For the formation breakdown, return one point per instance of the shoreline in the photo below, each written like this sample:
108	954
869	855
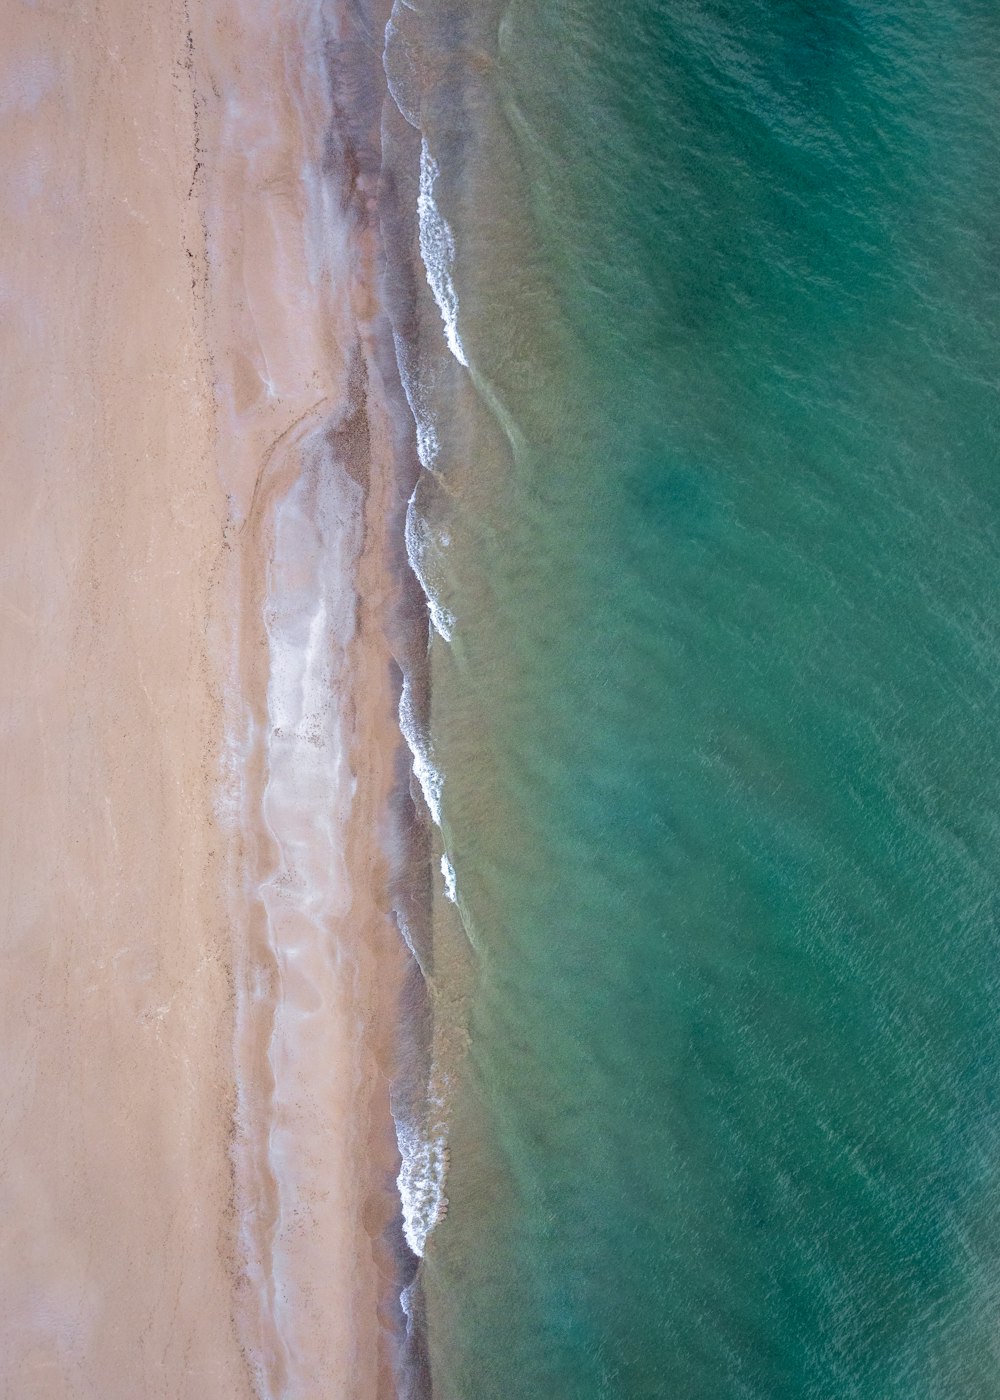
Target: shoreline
310	1149
209	605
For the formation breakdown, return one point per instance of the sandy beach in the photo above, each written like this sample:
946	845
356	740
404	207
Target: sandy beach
198	714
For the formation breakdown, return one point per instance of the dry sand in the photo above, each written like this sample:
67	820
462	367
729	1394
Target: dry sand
198	733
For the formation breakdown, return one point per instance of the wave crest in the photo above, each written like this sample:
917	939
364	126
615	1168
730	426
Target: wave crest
420	542
437	248
424	1152
431	780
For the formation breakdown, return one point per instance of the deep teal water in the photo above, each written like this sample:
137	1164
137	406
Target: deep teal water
720	725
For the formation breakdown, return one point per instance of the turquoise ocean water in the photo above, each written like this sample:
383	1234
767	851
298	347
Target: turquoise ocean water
718	522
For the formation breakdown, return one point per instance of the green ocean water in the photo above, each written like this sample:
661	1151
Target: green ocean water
719	720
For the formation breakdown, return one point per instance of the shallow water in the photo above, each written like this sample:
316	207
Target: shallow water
716	526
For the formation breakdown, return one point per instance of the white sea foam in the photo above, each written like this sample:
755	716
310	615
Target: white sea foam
421	1184
424	1152
419	544
450	887
419	540
428	445
430	779
422	1136
406	1299
437	248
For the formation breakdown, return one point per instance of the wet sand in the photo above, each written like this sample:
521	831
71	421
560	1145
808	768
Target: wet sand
198	715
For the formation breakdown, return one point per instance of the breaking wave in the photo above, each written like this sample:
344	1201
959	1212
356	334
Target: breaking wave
437	248
424	1152
427	438
419	543
450	886
422	1127
430	778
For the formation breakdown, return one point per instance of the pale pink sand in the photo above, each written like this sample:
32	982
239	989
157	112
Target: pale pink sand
196	721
